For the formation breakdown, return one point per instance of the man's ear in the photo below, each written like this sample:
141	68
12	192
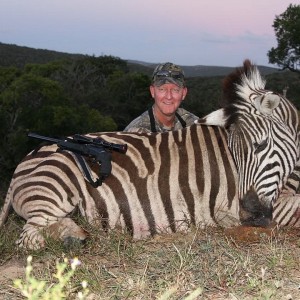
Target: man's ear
184	93
152	91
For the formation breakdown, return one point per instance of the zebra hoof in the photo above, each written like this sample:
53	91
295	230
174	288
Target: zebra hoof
67	231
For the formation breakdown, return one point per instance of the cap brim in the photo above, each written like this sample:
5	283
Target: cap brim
161	81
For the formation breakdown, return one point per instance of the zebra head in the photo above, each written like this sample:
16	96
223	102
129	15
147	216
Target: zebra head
262	132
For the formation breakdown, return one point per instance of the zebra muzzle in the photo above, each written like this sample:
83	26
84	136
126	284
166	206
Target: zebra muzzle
253	212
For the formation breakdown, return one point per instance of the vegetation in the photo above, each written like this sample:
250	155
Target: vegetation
34	289
238	264
287	28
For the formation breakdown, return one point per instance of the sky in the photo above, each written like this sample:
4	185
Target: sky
185	32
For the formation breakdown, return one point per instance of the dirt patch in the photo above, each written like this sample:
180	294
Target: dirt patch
11	270
243	234
249	235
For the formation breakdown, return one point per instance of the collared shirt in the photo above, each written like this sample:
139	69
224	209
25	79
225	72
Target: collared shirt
143	123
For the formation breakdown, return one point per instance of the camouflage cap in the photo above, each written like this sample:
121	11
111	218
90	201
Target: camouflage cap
168	73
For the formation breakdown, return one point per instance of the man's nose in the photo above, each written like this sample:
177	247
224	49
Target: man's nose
169	94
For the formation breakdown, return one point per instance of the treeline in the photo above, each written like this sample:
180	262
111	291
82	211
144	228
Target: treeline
87	94
65	97
19	56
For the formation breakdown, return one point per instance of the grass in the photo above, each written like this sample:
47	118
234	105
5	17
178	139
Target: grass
213	264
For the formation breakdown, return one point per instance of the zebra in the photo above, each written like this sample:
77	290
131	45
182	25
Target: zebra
226	170
259	167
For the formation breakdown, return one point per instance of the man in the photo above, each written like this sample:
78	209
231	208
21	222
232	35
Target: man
168	90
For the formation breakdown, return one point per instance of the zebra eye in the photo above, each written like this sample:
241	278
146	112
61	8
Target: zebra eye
260	146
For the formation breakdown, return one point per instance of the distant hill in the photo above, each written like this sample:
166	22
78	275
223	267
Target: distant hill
13	55
194	71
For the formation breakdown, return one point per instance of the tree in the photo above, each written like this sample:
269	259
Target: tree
30	100
128	97
287	31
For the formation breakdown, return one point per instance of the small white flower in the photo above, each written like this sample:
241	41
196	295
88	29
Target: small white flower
84	284
75	262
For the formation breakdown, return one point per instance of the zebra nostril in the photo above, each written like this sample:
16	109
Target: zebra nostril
253	212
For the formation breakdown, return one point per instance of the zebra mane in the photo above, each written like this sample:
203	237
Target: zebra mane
237	87
243	81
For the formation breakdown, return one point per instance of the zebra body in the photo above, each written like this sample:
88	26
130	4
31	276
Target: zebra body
153	188
168	181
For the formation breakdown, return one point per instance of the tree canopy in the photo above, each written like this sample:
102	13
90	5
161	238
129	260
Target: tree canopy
287	31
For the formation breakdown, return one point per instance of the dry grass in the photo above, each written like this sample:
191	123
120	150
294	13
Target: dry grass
245	263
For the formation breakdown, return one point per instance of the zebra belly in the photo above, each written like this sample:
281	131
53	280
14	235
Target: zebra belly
171	186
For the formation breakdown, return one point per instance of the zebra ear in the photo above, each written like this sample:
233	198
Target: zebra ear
216	118
265	104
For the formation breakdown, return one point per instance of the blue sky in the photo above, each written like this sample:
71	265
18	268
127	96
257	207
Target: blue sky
190	32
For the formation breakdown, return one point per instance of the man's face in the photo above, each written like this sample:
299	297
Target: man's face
168	97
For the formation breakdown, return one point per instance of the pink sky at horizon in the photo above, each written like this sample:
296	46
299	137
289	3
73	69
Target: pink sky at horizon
191	33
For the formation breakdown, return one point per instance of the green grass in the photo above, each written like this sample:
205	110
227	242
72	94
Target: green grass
213	263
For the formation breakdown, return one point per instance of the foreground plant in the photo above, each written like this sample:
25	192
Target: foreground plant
34	289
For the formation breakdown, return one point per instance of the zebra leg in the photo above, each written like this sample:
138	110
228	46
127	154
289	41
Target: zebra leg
286	210
65	229
31	237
